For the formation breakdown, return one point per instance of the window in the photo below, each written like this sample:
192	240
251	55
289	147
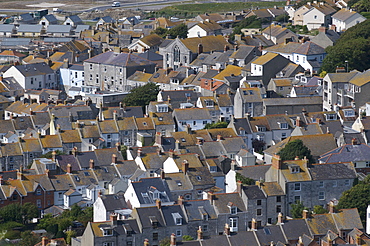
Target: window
346	182
233	210
297	198
259	202
335	184
194	123
283	125
91	66
204	122
31	81
278	199
155	236
109	243
107	232
178	233
297	186
38	203
269	220
321	195
321	184
178	221
205	227
259	211
38	191
176	54
278	208
233	224
108	136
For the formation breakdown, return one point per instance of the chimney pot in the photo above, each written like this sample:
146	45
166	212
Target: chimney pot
69	168
173	239
114	159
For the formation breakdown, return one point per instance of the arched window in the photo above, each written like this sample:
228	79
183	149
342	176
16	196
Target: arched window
176	54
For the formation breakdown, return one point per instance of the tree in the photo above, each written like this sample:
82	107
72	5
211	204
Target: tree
244	180
141	96
28	239
250	22
180	31
160	31
220	124
187	238
29	211
49	154
258	145
165	242
297	209
293	149
317	209
69	235
357	197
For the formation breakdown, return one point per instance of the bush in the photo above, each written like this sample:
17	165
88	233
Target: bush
12	234
187	238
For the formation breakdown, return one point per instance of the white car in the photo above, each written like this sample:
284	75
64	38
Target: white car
116	4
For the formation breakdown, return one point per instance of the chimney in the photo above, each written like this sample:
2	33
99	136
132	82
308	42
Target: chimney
330	242
354	141
171	153
91	164
358	240
331	207
118	147
19	174
300	241
139	152
219	137
180	200
44	241
185	166
113	218
158	138
47	172
322	29
163	174
227	230
159	151
239	187
53	155
226	48
114	159
211	197
305	214
100	193
74	151
115	115
173	240
254	225
200	49
199	141
277	162
69	168
1	179
158	203
177	145
188	129
298	122
280	219
146	242
200	234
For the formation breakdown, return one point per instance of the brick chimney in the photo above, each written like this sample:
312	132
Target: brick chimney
53	155
69	168
1	179
300	241
173	240
199	234
298	122
91	164
185	166
74	151
163	174
114	159
139	152
331	207
277	162
180	200
239	187
188	129
227	229
47	172
158	138
159	151
211	197
146	242
354	141
44	241
19	175
219	137
254	225
171	153
305	214
113	218
158	203
280	219
118	147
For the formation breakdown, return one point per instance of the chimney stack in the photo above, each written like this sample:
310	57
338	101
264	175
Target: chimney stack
146	242
227	229
180	200
200	49
254	225
354	141
53	155
298	122
331	207
69	168
44	241
114	159
113	218
47	172
1	179
74	151
139	152
173	240
280	219
118	147
158	138
239	187
91	164
185	166
219	137
211	197
277	162
158	203
188	129
305	214
19	174
163	174
200	234
159	151
171	153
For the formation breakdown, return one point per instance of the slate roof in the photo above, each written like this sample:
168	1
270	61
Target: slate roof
209	43
222	201
147	184
309	48
34	69
256	172
295	228
347	153
29	28
59	29
344	14
271	233
191	114
119	59
196	208
333	171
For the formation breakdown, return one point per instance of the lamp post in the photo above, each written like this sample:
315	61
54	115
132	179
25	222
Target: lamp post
346	66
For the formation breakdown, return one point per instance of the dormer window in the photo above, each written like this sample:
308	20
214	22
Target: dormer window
233	210
209	103
162	108
107	232
283	125
294	169
153	221
331	116
349	113
177	218
261	128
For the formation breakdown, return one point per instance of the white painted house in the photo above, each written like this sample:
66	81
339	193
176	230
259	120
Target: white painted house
344	19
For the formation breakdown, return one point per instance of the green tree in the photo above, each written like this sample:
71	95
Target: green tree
244	180
357	197
187	238
258	145
28	239
29	211
11	212
49	154
250	22
220	124
180	31
317	209
297	209
69	235
160	31
293	149
141	96
165	242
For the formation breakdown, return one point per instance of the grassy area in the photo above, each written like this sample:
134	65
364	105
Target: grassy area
366	14
191	10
